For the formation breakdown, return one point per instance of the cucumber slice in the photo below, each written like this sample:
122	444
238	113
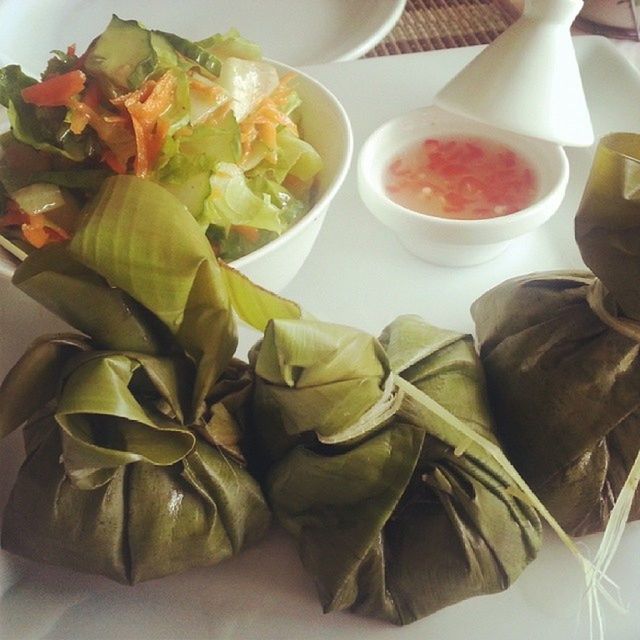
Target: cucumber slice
126	54
194	52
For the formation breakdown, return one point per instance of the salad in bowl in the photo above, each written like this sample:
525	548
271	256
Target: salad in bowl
210	121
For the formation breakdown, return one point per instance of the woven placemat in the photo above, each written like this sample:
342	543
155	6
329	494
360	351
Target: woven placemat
442	24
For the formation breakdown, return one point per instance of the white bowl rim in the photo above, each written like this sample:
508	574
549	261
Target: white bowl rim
318	207
558	185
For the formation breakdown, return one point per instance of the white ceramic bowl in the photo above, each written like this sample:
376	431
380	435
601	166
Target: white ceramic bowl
448	241
326	126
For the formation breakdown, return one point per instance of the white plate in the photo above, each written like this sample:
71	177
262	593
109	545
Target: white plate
296	32
358	274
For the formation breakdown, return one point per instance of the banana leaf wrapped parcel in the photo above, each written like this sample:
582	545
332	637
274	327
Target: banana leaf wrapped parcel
392	520
133	430
114	482
561	354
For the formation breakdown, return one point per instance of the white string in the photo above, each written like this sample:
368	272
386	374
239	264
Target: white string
596	581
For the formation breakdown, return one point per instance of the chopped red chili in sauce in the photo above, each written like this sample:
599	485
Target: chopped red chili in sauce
461	177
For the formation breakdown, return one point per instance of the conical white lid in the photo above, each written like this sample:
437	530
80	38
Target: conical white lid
527	80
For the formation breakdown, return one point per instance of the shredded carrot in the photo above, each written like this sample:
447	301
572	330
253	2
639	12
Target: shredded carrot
209	91
282	92
252	234
112	161
113	129
267	133
91	96
262	123
156	139
219	114
296	186
146	106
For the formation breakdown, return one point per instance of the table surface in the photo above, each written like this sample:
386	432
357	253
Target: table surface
426	25
264	594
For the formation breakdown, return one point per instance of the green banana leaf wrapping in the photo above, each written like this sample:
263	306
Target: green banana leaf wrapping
391	521
560	351
113	482
135	463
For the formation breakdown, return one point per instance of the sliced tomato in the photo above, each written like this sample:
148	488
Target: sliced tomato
38	234
55	91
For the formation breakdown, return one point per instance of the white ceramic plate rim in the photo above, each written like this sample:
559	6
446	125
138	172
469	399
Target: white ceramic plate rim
301	41
385	25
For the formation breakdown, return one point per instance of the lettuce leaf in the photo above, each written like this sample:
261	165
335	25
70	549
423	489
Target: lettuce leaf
232	202
291	208
42	128
296	157
231	44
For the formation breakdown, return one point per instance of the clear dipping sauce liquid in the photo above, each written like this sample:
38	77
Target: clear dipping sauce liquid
461	177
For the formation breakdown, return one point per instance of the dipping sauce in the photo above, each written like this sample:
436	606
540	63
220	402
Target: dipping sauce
461	177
